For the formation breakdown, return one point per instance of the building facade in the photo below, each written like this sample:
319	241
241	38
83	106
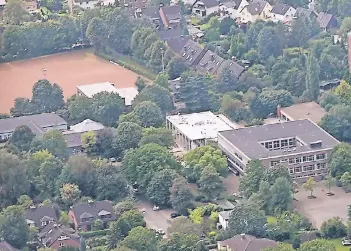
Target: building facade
301	146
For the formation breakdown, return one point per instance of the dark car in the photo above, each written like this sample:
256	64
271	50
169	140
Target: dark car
174	215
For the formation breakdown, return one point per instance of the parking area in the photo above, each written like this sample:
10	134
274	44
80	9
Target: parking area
323	207
160	219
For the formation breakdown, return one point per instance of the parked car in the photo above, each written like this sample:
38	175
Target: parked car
175	215
160	231
346	242
156	208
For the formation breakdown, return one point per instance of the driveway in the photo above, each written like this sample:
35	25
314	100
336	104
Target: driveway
323	207
156	219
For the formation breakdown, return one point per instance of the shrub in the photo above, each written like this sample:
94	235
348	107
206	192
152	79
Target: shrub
90	234
333	228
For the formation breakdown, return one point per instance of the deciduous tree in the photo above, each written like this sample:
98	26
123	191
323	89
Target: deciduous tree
128	136
53	142
210	183
149	114
15	13
69	193
312	77
250	183
181	196
22	137
317	245
309	185
161	136
140	239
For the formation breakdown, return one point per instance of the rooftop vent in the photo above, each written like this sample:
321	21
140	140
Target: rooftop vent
315	144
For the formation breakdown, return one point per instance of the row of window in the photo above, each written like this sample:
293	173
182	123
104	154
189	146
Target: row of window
301	159
310	174
299	169
279	144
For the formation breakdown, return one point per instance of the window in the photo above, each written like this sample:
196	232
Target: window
284	143
298	160
275	162
308	168
270	145
308	158
276	144
292	142
321	166
292	161
320	156
291	170
43	223
297	169
61	244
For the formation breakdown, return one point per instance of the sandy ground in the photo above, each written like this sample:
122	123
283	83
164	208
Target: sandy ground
66	69
323	207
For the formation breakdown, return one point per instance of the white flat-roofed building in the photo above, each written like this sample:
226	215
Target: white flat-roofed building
128	94
196	129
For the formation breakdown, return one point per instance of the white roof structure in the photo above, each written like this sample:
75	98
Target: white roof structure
128	94
196	126
2	2
86	126
90	90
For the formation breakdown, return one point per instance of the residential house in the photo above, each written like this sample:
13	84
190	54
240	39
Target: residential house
4	246
209	63
236	69
170	33
41	216
39	124
74	135
301	146
2	4
256	10
171	16
31	5
57	236
203	8
152	13
195	32
305	12
83	215
133	4
192	53
246	242
176	44
282	13
91	4
327	22
223	218
232	8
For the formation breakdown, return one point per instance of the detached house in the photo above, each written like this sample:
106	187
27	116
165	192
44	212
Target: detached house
305	12
84	215
256	10
57	236
327	22
41	216
204	8
282	12
210	63
192	53
245	242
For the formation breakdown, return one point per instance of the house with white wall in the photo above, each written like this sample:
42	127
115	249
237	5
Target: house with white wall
232	8
256	10
91	4
203	8
282	13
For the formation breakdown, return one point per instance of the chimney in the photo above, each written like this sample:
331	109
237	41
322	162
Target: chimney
349	49
243	236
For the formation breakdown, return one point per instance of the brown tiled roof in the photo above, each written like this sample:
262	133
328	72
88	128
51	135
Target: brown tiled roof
247	243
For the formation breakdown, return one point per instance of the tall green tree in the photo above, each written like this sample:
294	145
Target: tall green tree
158	190
107	107
53	142
210	183
13	179
15	13
179	242
161	136
176	66
80	108
149	114
128	136
181	196
47	97
340	160
141	164
312	78
250	183
317	245
104	142
13	227
281	193
22	137
269	43
49	170
247	218
140	239
96	31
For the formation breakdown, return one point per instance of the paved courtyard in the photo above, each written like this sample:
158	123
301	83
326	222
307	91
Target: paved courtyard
323	207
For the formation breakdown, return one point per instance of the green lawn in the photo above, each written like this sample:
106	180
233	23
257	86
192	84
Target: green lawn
338	245
272	219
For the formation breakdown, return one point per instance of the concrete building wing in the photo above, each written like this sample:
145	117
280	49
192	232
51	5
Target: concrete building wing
309	110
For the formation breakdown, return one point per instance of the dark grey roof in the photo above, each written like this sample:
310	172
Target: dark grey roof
192	52
53	231
210	3
256	7
73	139
248	243
177	43
210	62
93	208
280	8
4	246
304	12
41	213
151	12
35	122
169	33
237	3
235	68
324	19
172	12
247	140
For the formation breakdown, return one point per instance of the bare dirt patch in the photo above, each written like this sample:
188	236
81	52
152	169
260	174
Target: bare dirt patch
66	69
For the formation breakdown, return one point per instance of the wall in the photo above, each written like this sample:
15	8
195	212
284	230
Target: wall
86	5
223	222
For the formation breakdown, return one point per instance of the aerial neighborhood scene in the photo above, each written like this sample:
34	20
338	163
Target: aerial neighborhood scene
175	125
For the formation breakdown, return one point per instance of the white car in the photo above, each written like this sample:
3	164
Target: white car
346	242
160	231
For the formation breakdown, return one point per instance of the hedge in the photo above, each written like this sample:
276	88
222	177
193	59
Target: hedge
94	233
